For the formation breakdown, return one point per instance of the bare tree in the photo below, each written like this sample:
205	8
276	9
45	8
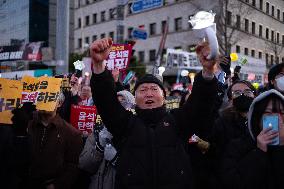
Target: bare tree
275	48
228	28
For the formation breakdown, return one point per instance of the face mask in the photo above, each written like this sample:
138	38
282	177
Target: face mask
280	83
242	103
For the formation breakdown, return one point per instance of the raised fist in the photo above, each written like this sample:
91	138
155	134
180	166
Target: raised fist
100	49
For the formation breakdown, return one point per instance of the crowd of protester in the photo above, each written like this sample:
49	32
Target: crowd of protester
215	139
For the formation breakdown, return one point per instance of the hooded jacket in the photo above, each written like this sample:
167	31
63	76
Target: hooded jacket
246	166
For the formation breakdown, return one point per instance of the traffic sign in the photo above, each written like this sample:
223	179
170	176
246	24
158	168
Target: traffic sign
139	34
142	5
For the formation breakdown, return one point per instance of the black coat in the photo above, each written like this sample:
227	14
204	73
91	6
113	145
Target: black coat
151	144
245	166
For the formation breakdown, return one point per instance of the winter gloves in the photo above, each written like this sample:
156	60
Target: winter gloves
103	144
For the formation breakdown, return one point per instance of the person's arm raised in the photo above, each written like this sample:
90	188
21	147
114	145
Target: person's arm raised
114	116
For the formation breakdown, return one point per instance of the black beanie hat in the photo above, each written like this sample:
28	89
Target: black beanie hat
149	78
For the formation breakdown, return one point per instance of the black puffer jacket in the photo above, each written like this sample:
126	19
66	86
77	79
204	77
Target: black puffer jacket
151	143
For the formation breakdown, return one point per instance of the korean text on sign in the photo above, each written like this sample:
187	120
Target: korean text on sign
119	57
83	118
43	91
10	98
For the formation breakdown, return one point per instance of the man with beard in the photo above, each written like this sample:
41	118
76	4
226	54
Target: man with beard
151	143
55	151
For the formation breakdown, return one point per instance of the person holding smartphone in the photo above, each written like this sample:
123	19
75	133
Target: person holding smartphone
256	160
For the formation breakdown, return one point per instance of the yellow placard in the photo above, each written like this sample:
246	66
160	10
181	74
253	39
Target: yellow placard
43	91
10	97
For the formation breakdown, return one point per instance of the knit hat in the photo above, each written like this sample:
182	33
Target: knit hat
129	98
149	78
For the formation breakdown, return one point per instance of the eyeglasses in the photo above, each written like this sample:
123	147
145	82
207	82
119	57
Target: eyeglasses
246	92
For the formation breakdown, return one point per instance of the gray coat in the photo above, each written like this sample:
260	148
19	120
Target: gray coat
92	161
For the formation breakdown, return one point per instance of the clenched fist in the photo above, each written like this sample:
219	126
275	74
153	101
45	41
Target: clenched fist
99	51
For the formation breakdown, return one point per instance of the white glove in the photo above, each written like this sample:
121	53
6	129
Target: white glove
110	153
104	135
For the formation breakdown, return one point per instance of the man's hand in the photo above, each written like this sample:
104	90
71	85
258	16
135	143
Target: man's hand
99	51
202	51
265	137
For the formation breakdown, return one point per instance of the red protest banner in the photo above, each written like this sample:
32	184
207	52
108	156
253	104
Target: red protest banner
119	57
83	117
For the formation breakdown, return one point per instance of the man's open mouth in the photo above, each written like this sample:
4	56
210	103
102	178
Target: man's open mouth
149	102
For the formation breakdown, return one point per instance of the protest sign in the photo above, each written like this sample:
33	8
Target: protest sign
83	118
42	91
119	57
10	98
172	102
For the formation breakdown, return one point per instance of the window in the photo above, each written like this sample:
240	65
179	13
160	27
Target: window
267	8
163	26
238	23
79	43
94	18
87	20
103	16
111	13
277	59
282	40
79	23
129	32
178	24
253	2
282	59
272	36
271	59
278	14
261	4
152	55
111	35
246	51
94	38
152	28
246	25
267	33
283	16
129	8
266	58
238	49
253	53
260	55
229	17
87	2
278	38
272	10
87	40
103	35
253	27
141	56
260	30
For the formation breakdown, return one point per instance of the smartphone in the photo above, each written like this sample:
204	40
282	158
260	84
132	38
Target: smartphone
273	122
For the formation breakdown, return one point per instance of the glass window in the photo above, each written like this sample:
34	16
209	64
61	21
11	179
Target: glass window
178	24
94	18
152	55
153	29
103	16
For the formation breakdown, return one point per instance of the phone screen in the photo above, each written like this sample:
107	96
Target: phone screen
273	122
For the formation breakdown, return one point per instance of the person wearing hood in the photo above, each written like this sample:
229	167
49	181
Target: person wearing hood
256	159
151	143
99	156
232	122
276	78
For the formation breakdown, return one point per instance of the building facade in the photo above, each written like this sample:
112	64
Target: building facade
257	33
